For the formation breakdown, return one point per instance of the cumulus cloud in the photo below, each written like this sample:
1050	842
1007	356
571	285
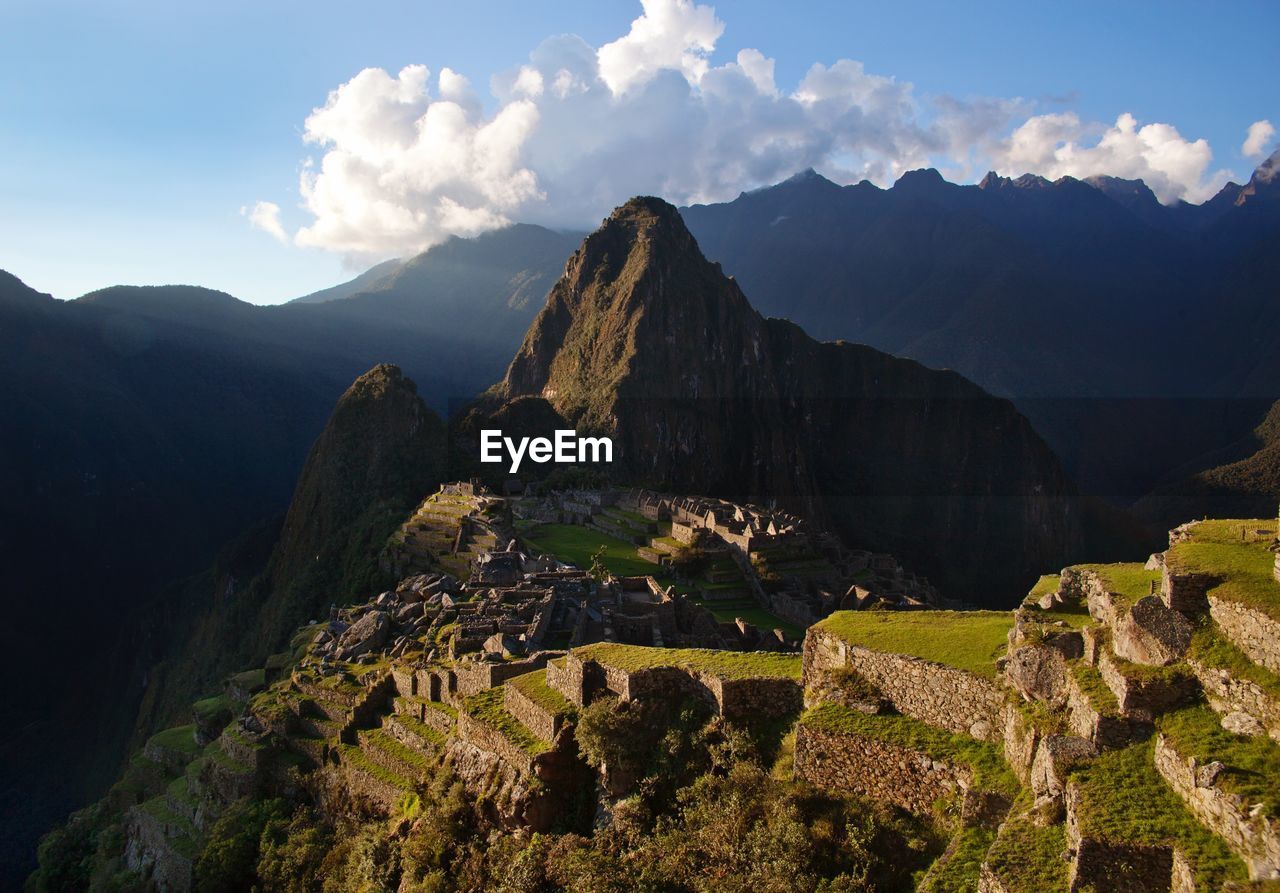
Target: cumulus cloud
406	160
671	34
1060	145
1258	139
266	217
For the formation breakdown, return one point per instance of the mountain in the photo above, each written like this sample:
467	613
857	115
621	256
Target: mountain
380	452
645	340
1096	309
1244	487
365	281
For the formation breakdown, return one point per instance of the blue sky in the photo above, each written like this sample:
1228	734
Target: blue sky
132	134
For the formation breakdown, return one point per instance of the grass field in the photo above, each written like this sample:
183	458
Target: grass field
1125	801
726	664
575	544
1244	562
966	640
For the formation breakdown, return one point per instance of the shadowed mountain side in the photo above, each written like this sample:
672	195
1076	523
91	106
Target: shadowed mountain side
380	452
647	341
1081	301
1247	487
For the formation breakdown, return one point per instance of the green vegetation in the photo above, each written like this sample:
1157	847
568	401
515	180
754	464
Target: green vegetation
1211	648
360	760
985	761
1028	857
1130	581
1075	616
534	687
1101	698
486	707
577	545
966	640
1244	563
725	664
229	859
1252	764
1123	800
421	729
389	744
181	740
957	870
750	611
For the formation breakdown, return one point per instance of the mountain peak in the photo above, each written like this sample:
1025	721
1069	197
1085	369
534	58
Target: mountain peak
926	178
638	286
1265	182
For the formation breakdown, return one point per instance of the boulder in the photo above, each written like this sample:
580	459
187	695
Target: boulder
1243	724
1055	757
1151	633
368	633
1039	673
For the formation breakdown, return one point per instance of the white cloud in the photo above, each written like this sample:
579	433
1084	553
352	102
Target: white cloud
1060	145
671	34
266	217
403	170
1258	139
577	129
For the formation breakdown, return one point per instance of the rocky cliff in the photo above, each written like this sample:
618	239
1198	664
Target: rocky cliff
647	341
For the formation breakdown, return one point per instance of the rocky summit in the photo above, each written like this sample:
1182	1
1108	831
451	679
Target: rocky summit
646	340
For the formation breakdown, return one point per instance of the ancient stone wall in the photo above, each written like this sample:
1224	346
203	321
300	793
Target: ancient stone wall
1255	839
1185	593
1250	630
538	719
884	772
479	735
939	695
745	699
1228	694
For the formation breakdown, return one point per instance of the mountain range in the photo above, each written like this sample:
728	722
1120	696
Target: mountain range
151	430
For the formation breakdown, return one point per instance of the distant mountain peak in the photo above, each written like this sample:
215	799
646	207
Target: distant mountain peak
1265	182
926	178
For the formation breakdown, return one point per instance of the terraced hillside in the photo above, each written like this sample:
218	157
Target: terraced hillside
1119	731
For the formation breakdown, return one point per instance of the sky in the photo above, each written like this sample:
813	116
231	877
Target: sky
272	149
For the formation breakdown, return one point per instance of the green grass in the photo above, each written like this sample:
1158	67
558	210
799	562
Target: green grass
1252	764
534	687
1245	567
184	843
1131	581
725	664
1210	647
1075	616
421	729
727	612
1101	698
1125	801
966	640
985	761
389	744
1028	857
576	545
180	739
208	708
957	870
1046	584
441	707
356	757
486	707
